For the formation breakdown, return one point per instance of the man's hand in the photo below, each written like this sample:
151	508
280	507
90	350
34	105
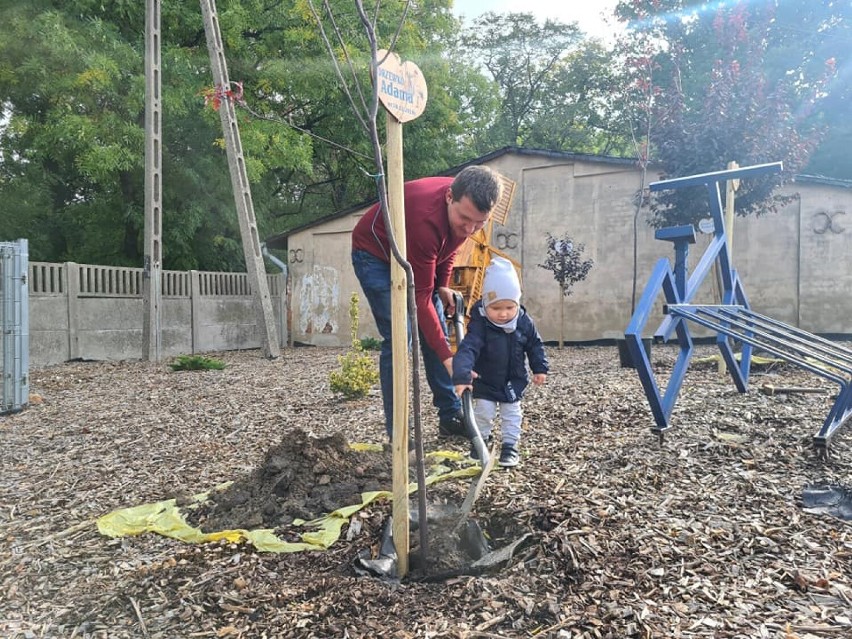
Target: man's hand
448	298
539	378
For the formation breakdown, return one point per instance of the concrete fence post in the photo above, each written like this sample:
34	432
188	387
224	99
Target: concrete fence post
283	328
195	309
72	294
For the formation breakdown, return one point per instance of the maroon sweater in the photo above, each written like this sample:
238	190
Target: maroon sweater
430	248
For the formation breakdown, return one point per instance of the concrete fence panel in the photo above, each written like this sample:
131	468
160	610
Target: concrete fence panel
85	311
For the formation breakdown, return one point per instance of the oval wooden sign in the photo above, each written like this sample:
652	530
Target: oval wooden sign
402	87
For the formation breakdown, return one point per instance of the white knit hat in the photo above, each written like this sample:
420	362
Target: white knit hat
501	282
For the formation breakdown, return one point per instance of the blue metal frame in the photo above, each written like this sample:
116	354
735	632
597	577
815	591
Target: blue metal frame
733	321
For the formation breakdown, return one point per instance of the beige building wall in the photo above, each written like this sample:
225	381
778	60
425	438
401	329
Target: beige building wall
592	202
796	264
824	283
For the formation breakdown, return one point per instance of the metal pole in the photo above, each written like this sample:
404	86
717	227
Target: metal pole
152	266
239	181
286	336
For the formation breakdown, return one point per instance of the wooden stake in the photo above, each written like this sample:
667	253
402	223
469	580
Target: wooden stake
402	91
399	340
730	187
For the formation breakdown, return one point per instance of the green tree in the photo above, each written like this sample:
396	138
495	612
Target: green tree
521	56
340	174
575	111
72	137
71	153
806	38
71	77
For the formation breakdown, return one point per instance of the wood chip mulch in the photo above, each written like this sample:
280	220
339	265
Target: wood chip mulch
702	534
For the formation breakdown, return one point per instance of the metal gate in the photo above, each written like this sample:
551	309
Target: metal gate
14	324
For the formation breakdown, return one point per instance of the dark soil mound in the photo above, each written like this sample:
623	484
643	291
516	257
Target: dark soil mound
301	477
304	477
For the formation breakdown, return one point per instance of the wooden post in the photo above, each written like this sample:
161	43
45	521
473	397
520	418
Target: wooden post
399	339
402	90
730	187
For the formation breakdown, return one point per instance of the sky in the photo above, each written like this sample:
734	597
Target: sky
585	12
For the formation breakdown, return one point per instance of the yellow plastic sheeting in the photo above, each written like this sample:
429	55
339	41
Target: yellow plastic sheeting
165	518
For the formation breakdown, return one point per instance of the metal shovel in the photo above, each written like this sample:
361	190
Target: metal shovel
486	457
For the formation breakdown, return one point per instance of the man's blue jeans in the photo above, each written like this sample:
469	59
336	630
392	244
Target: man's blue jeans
374	276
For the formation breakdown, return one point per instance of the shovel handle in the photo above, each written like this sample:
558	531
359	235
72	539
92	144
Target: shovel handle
472	430
457	314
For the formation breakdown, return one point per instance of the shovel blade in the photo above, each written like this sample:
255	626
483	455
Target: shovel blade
478	483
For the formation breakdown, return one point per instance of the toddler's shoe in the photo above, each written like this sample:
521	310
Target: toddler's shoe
509	457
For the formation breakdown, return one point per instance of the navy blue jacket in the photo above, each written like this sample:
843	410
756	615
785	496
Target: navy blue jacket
498	357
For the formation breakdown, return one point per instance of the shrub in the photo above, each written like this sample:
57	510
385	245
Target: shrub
356	376
358	372
371	344
196	363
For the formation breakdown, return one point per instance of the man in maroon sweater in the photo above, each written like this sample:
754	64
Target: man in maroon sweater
440	214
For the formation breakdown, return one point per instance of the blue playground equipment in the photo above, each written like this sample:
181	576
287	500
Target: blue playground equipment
733	321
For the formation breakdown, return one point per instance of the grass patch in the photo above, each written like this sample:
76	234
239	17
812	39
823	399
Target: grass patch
196	363
371	344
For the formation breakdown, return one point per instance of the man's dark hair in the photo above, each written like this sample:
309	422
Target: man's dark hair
480	184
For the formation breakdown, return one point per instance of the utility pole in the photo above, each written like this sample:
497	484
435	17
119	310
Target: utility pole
152	292
239	181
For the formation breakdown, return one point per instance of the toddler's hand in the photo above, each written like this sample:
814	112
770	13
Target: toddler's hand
539	378
461	388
